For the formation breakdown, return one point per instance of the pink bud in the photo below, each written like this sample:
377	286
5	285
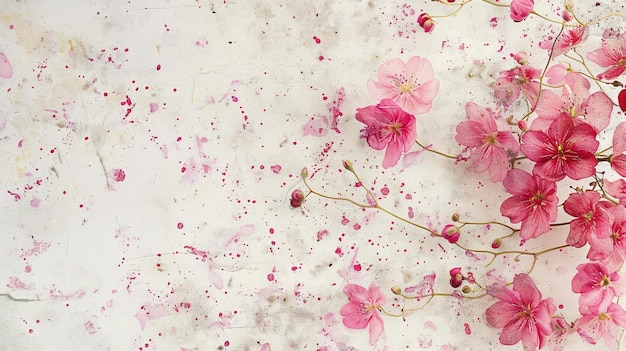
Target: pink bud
521	57
451	233
428	26
520	9
456	277
422	18
297	198
496	243
521	124
567	16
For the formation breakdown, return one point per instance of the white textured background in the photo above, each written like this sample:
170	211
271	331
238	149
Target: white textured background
204	106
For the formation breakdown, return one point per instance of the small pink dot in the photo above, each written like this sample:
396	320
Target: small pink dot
27	269
271	230
158	67
270	277
180	225
226	343
30	331
321	58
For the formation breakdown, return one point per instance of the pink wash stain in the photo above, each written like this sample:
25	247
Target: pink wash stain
276	169
90	328
154	107
34	202
148	313
16	284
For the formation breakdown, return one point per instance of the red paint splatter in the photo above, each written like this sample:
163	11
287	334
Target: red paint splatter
357	267
468	331
270	277
276	169
384	191
119	175
158	67
317	40
180	225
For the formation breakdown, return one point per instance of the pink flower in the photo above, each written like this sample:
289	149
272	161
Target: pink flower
490	140
597	286
560	330
589	219
451	233
612	54
387	125
524	79
533	202
412	85
521	312
617	189
575	102
604	324
569	39
565	150
456	277
609	246
520	9
362	310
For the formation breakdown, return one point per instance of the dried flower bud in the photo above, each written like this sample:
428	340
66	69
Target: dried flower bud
304	173
466	289
566	16
455	217
396	290
569	5
495	244
347	164
456	277
297	198
451	233
617	83
425	22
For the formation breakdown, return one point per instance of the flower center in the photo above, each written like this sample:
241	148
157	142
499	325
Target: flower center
605	282
405	85
621	62
537	199
395	128
490	139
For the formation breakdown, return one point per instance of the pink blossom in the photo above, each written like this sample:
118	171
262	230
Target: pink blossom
609	246
412	85
597	286
569	39
456	277
490	139
520	9
560	330
533	202
521	312
362	310
589	218
612	54
565	150
524	79
575	102
451	233
387	125
603	324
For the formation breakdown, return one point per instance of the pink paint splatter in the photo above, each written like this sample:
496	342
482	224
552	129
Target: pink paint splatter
276	169
17	284
317	40
90	327
78	294
322	234
154	107
468	331
34	202
119	175
148	312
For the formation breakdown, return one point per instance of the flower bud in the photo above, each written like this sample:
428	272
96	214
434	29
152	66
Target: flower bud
521	58
566	16
569	5
304	173
451	233
347	164
396	290
425	22
495	244
521	124
466	289
297	198
455	217
456	277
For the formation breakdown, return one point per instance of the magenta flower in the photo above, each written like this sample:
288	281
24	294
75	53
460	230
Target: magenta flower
520	9
589	218
533	202
617	189
521	313
575	102
412	85
490	140
612	54
565	150
569	39
609	246
604	324
387	125
524	79
362	310
597	286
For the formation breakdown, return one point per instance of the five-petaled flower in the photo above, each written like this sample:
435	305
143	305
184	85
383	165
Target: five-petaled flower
612	54
388	126
597	286
604	324
362	309
490	139
412	85
590	219
521	313
565	150
533	202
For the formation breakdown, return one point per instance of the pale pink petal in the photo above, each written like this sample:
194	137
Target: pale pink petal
556	74
470	133
6	71
392	155
612	73
376	328
353	316
421	67
517	181
619	138
597	110
600	57
619	164
500	313
376	295
526	288
356	293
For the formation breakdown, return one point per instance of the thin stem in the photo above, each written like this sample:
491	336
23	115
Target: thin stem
435	151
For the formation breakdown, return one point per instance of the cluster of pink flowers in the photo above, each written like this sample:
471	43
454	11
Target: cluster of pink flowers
557	140
404	90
